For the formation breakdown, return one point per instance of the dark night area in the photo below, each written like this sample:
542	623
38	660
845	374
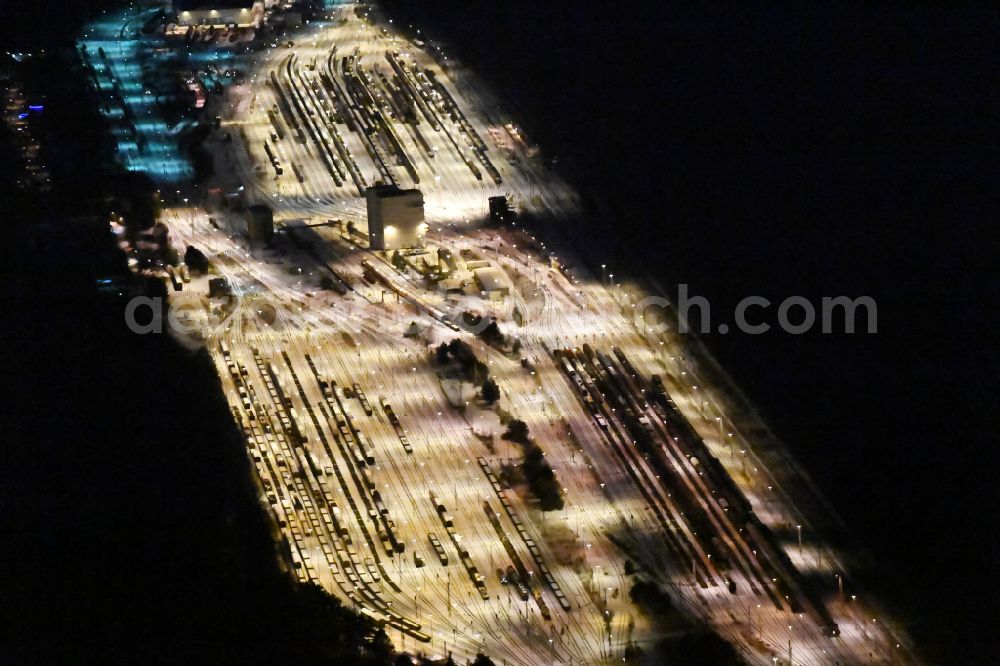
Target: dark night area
792	150
814	151
132	531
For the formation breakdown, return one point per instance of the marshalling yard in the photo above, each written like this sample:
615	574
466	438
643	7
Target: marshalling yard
386	473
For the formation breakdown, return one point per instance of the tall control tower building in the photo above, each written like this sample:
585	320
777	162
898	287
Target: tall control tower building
395	218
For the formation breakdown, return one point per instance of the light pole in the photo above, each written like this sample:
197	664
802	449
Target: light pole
192	220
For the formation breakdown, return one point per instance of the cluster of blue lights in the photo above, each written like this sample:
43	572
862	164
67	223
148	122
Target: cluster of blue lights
128	103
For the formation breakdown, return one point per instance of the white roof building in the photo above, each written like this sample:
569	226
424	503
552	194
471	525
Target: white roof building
219	13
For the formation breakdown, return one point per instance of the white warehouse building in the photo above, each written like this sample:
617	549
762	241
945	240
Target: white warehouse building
395	218
219	13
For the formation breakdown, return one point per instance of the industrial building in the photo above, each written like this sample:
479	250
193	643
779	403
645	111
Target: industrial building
491	280
218	287
448	261
395	218
219	13
260	222
500	212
